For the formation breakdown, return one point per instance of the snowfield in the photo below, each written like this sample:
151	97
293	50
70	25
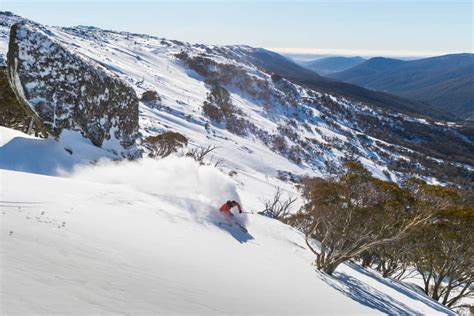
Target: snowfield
142	238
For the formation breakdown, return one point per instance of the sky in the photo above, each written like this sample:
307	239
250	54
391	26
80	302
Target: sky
350	27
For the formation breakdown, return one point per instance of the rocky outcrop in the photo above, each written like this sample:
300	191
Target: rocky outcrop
66	90
13	114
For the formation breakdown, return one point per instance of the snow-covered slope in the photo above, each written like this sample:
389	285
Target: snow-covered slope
280	126
142	238
26	153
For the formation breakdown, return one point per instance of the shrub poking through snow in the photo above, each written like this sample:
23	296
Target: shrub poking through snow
219	108
201	153
150	97
213	112
276	77
182	55
279	144
294	154
165	144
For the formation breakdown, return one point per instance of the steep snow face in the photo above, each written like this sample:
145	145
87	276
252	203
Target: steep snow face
143	238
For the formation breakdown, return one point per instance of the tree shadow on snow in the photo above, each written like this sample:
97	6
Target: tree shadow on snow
375	299
402	289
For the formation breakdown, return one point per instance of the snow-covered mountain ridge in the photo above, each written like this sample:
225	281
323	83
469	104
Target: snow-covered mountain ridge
311	131
314	130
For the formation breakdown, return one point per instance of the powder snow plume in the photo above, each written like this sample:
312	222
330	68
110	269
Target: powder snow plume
175	180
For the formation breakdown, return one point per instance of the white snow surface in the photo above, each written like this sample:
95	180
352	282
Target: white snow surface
143	238
26	153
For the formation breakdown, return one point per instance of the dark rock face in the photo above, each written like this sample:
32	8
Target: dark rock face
12	112
68	91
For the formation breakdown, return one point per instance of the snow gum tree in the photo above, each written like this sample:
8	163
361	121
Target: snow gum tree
394	258
441	251
357	213
390	259
164	144
443	254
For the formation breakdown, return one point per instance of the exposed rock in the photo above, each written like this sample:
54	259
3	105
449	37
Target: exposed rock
12	112
69	91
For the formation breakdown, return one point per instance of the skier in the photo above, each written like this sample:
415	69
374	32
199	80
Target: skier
227	206
225	211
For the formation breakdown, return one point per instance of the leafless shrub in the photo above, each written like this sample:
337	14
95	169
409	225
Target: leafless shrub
279	143
279	204
200	153
294	154
213	112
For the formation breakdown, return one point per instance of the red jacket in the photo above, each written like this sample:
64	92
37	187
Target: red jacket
225	208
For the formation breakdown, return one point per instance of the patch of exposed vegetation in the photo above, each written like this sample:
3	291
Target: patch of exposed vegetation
163	145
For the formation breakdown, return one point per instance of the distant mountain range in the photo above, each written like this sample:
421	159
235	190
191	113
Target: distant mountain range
443	83
284	66
325	66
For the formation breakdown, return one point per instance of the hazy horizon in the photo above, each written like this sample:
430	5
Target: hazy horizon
407	29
